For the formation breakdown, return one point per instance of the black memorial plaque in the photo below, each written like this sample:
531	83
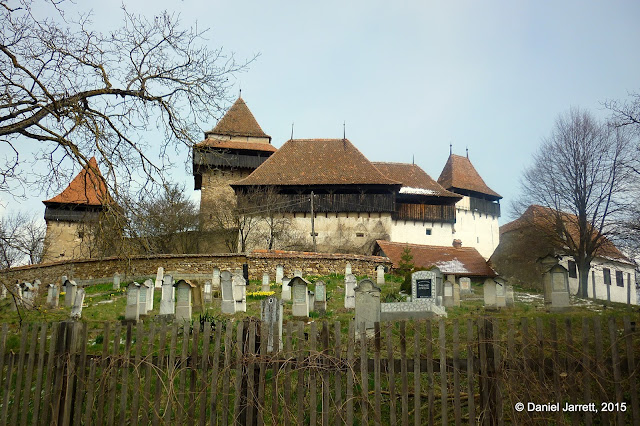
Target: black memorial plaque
423	288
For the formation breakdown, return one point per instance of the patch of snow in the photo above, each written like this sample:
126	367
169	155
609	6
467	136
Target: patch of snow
419	191
452	267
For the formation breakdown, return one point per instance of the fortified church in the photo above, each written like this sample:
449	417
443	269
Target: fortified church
355	201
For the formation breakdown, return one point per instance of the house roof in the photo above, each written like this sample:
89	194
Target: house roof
235	144
414	180
238	121
459	173
87	188
545	218
462	261
317	162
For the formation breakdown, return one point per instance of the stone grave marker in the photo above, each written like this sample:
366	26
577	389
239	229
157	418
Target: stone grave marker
76	309
311	300
265	282
367	298
558	276
300	297
456	294
132	311
3	292
142	299
448	294
197	298
159	277
116	281
286	288
349	294
439	286
489	288
36	285
297	273
27	294
271	315
347	269
380	275
70	293
207	292
465	285
215	279
501	291
423	285
52	296
321	297
239	292
279	274
150	289
167	303
228	304
184	291
509	296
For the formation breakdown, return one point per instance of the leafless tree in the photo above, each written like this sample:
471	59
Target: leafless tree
21	240
70	92
579	174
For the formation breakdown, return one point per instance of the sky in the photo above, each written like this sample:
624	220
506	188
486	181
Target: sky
408	78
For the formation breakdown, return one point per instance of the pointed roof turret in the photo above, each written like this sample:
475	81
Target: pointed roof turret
87	188
238	121
460	174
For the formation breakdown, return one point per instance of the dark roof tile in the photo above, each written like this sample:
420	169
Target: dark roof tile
460	173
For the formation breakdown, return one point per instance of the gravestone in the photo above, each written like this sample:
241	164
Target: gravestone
465	285
36	285
380	275
184	289
297	273
142	299
300	297
52	296
159	277
367	298
207	292
228	304
132	311
116	281
347	269
3	292
167	304
70	293
448	294
489	289
321	297
215	279
286	288
349	294
501	292
279	274
150	289
439	286
423	285
197	298
509	296
265	282
271	315
76	309
312	300
547	263
456	294
239	291
558	278
27	295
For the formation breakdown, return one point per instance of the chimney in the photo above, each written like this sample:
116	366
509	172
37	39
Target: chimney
457	243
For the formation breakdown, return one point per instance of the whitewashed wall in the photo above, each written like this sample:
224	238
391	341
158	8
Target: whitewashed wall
413	232
475	229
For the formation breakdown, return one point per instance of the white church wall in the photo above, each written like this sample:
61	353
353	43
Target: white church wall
474	229
427	233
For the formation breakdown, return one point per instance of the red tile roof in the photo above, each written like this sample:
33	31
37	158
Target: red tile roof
544	218
413	177
461	261
87	188
317	162
235	144
460	173
238	121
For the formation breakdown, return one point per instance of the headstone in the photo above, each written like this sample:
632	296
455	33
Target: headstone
367	298
215	278
159	277
456	294
300	297
489	289
239	291
142	299
265	282
558	279
448	294
465	285
70	293
271	315
286	288
167	303
183	300
228	305
53	296
321	297
501	291
27	295
439	286
36	285
207	292
509	297
347	269
423	285
380	275
116	281
150	289
297	273
279	274
3	292
76	309
132	311
547	263
312	300
349	294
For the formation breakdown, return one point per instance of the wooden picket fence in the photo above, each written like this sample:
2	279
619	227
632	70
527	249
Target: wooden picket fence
474	371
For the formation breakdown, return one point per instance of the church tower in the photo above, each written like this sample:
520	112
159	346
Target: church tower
72	215
231	151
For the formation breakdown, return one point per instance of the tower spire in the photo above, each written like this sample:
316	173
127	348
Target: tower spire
450	148
467	152
292	131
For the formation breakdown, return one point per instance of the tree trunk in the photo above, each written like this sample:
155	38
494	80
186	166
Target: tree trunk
583	279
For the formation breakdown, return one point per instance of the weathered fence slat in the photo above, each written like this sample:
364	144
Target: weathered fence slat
600	366
216	367
313	397
152	367
3	342
443	371
350	372
15	406
204	368
250	353
7	389
456	373
615	364
81	376
182	384
586	371
193	370
261	403
103	377
431	381
631	364
497	368
300	376
238	371
403	373
114	374
376	376
124	384
88	409
137	368
484	385
471	378
46	409
288	357
226	375
39	372
339	412
326	398
364	375
28	380
275	419
391	375
417	403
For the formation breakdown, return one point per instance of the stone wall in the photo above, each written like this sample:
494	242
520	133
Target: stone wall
259	262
